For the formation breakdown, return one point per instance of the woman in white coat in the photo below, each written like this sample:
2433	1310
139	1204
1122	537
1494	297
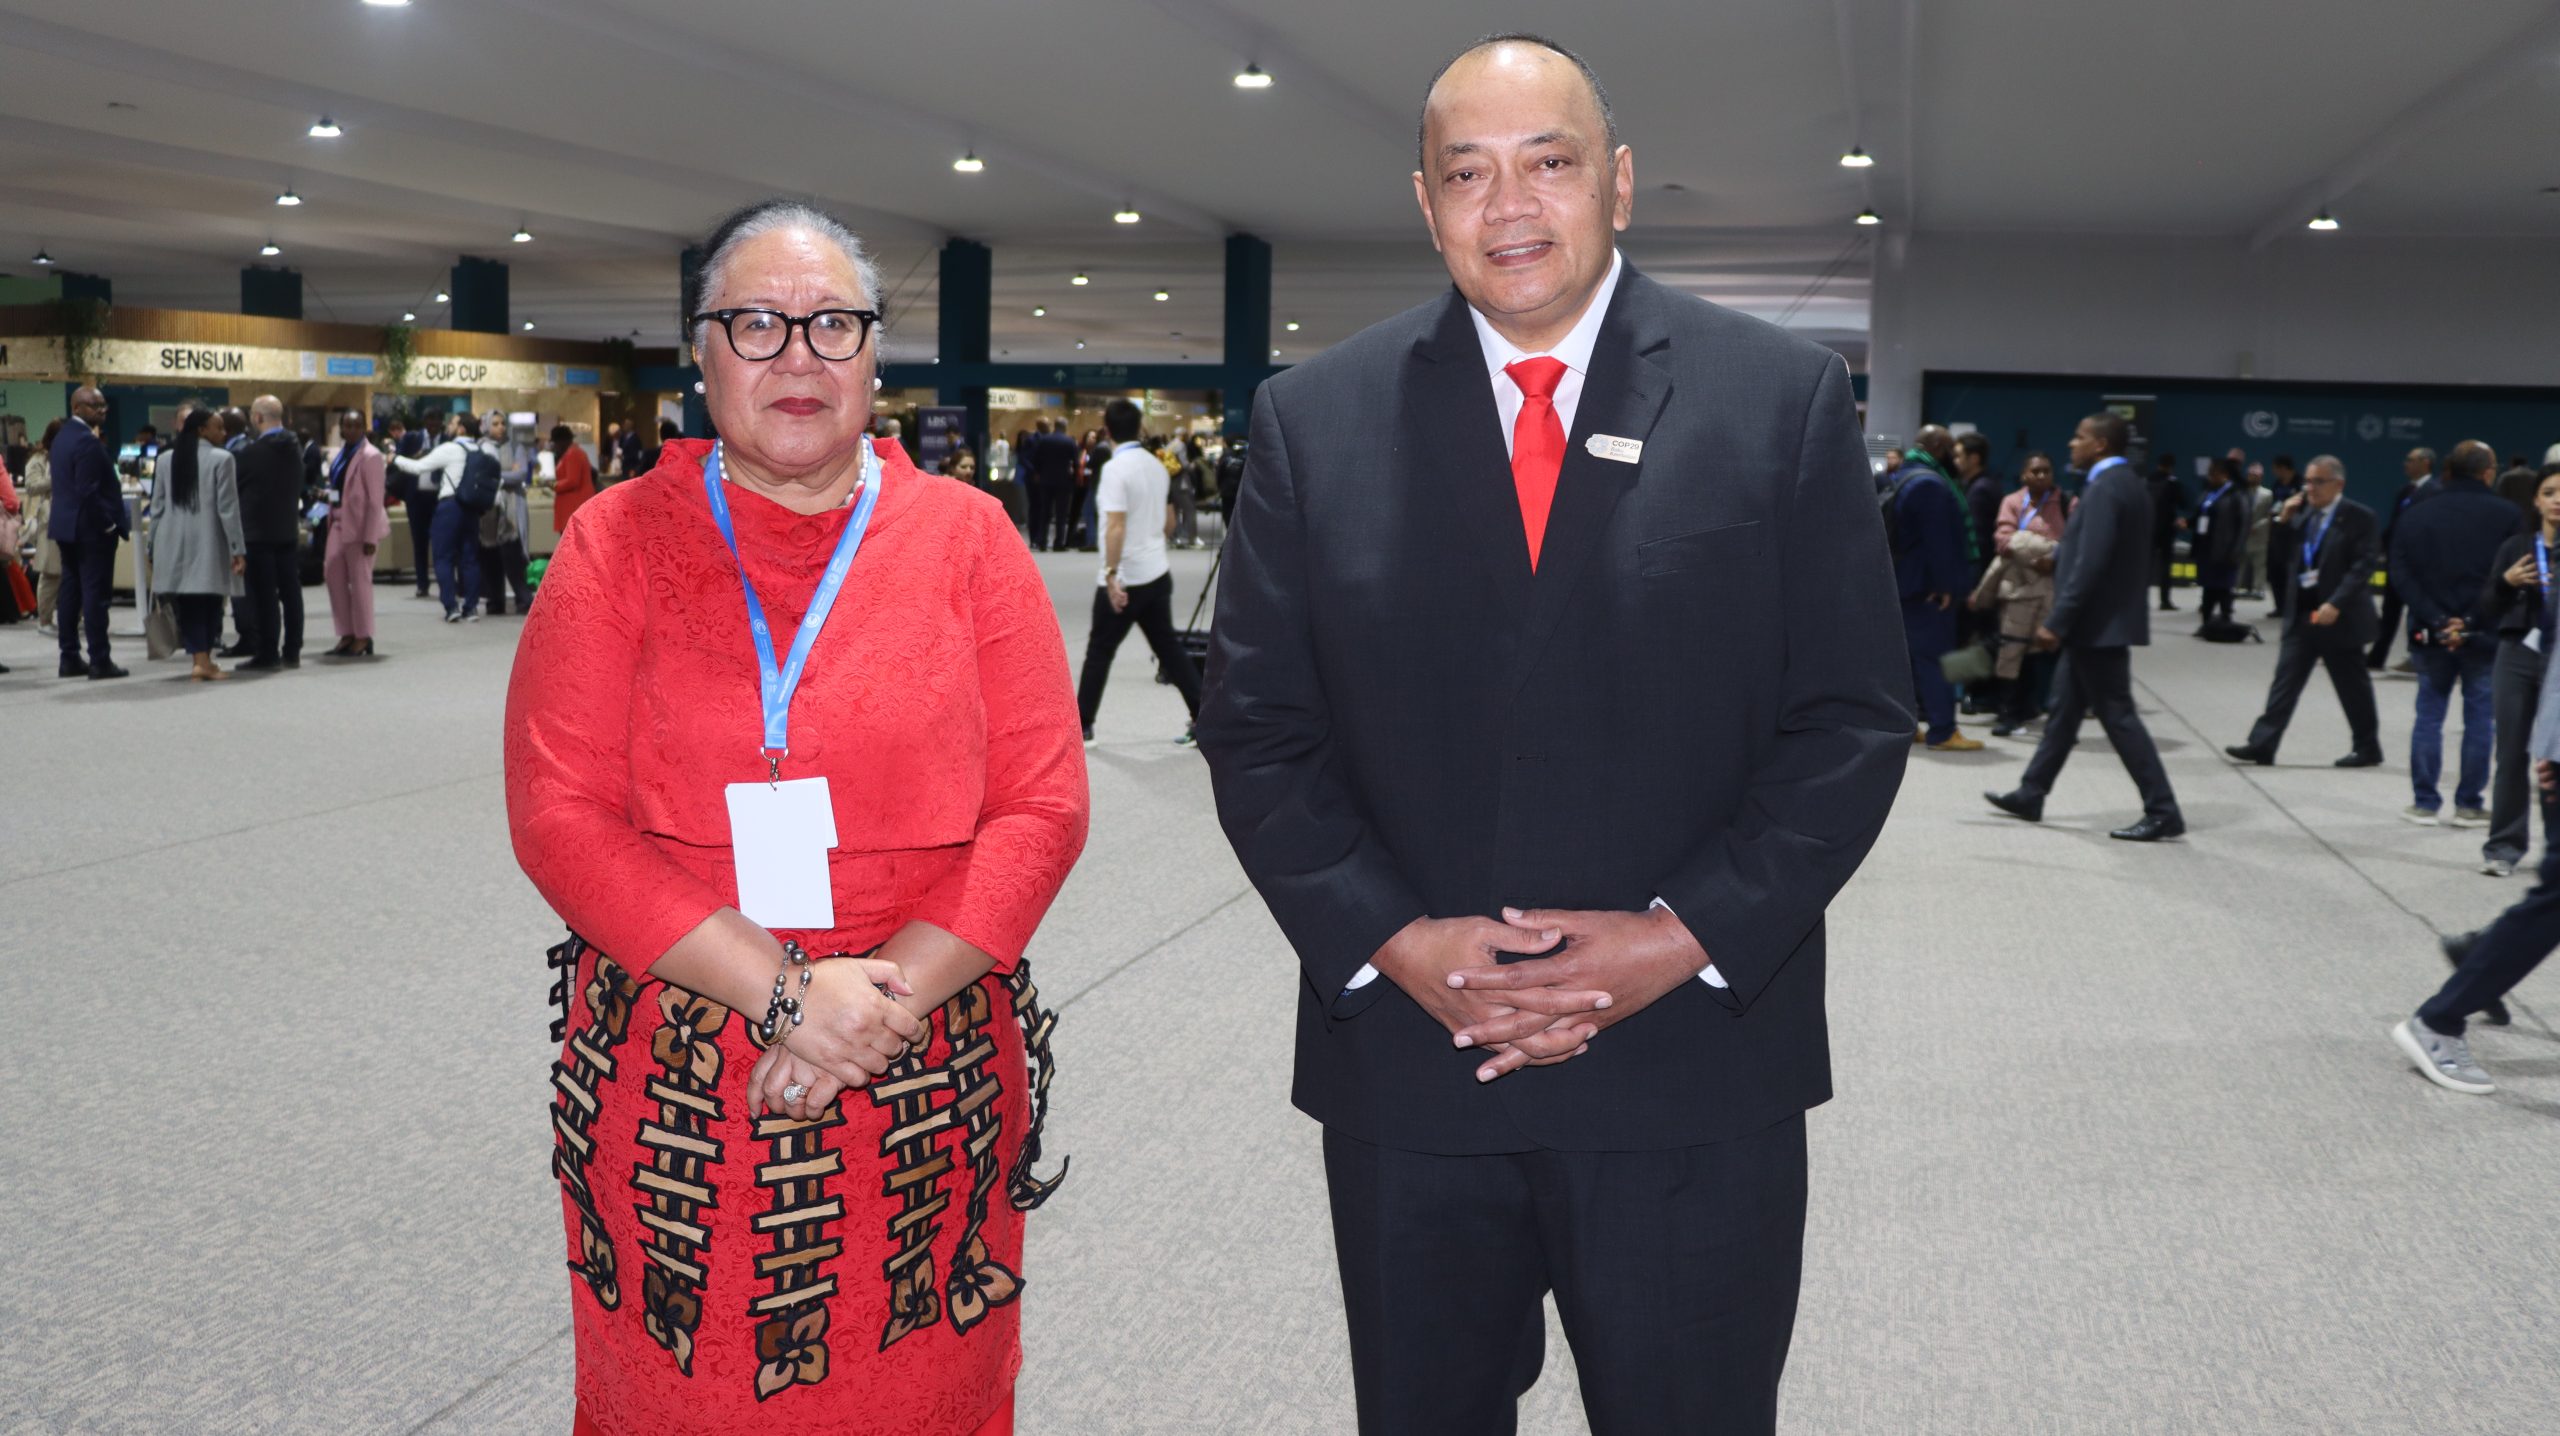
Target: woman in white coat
197	555
358	523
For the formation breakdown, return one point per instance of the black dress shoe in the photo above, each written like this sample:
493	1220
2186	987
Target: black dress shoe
2359	760
262	665
2242	752
237	650
2017	805
2151	830
73	668
2005	728
109	670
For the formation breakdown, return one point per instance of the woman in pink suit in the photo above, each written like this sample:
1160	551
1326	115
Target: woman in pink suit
357	525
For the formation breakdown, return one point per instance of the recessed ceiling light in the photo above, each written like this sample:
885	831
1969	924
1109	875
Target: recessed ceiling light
443	298
1868	216
1251	77
288	199
969	163
1291	326
1080	281
388	4
1857	159
2323	221
327	129
528	324
1079	344
1275	353
1163	294
43	258
408	316
269	249
522	235
1125	215
1039	311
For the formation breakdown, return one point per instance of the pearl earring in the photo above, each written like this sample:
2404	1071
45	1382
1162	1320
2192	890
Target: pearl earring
697	386
875	383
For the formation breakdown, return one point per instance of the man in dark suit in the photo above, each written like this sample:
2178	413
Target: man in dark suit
2325	549
88	521
1929	567
2444	554
2100	615
2168	516
270	521
2418	475
1052	462
1557	621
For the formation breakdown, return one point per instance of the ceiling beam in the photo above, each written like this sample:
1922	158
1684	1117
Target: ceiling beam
697	56
2510	63
185	72
308	239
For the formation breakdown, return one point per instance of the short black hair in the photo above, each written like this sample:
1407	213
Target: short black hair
470	425
2111	429
1975	445
2285	461
562	434
1121	418
1599	94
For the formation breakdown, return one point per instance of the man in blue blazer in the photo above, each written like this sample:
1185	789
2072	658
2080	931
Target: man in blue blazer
88	520
1930	568
1557	624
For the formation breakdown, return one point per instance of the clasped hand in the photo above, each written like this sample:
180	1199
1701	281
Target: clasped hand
1600	968
852	1027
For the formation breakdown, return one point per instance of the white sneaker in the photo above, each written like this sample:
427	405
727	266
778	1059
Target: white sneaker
2445	1061
2498	868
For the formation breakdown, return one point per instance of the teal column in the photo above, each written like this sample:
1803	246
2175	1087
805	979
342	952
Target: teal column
479	290
270	292
1248	326
965	335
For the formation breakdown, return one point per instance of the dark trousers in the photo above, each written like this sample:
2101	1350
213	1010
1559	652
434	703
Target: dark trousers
2391	611
503	567
88	579
2306	648
2515	691
2100	681
1048	514
1151	611
275	601
2215	604
422	519
1675	1273
457	551
199	621
1930	632
2510	949
2163	559
2031	691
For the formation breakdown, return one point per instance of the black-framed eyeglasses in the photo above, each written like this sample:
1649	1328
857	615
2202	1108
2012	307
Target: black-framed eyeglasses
757	335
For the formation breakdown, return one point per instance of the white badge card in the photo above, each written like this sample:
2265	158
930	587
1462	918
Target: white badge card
779	836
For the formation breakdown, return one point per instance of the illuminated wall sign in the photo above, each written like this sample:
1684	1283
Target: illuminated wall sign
343	366
41	356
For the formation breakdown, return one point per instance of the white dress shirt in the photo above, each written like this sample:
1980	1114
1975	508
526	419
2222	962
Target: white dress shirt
1575	350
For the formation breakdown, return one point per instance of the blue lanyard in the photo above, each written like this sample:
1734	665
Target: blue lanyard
2542	565
779	681
2311	545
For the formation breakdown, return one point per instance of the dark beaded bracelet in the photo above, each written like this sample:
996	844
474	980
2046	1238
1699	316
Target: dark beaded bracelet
781	1006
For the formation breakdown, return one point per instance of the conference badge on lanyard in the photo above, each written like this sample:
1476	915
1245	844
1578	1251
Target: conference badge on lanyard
780	831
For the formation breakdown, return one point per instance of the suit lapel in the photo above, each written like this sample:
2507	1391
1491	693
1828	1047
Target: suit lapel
1622	397
1464	470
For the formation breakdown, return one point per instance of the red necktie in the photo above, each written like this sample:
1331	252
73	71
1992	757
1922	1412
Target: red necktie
1537	445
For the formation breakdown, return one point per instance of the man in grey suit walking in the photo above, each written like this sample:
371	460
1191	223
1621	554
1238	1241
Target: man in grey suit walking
2100	614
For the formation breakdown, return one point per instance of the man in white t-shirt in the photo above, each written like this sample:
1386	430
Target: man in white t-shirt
1137	580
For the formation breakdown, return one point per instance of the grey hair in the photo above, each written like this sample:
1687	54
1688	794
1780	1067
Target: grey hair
2430	454
2329	462
765	217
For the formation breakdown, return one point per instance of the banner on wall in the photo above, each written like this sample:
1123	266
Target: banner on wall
939	430
179	363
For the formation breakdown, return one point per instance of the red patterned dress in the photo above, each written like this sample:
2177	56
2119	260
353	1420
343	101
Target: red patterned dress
856	1274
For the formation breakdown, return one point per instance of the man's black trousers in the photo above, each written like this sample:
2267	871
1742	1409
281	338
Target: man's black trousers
2510	949
2100	681
88	580
2304	649
275	601
1151	610
1675	1273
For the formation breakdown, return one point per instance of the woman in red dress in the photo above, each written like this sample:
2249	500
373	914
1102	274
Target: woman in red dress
821	1231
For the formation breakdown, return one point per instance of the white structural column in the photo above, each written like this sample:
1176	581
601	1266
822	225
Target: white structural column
1893	362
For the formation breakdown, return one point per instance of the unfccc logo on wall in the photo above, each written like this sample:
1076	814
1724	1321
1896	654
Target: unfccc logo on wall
2369	428
2260	423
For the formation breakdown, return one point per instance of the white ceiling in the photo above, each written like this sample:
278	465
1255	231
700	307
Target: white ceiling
618	129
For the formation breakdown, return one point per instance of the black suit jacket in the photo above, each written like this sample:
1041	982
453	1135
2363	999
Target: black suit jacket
2102	572
2342	572
88	503
271	488
1053	459
1702	694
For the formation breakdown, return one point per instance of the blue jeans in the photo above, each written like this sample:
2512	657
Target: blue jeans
1930	632
2438	671
457	546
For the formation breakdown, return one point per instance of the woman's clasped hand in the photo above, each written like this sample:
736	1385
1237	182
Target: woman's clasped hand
852	1027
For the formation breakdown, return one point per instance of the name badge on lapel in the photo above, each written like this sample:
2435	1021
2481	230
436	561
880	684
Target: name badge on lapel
1614	449
779	836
